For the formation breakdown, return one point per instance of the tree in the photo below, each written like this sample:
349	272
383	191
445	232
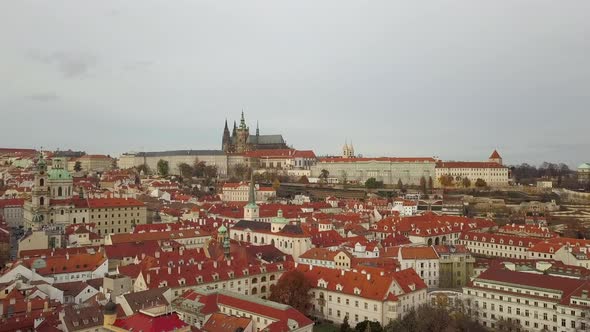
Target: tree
373	326
423	185
163	167
345	326
241	171
78	166
199	168
400	184
324	174
185	170
143	168
446	180
276	184
292	289
372	183
507	325
466	182
303	180
480	183
430	183
433	319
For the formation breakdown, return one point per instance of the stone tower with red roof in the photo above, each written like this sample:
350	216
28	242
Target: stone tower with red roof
495	158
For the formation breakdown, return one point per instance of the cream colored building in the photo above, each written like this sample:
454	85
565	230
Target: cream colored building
238	192
535	300
334	259
174	158
92	163
388	170
492	171
360	295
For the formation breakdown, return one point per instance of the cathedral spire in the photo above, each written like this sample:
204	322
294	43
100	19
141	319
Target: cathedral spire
243	121
257	130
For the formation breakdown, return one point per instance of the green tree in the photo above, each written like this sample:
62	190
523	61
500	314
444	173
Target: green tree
466	182
241	171
143	168
324	175
372	183
423	185
78	166
400	184
163	167
185	170
303	180
199	168
480	183
292	289
430	183
210	173
368	326
345	326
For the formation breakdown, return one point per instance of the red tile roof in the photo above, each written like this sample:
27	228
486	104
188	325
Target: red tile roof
418	253
145	323
468	164
382	159
219	322
495	155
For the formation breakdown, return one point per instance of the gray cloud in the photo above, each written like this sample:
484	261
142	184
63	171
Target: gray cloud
43	97
70	64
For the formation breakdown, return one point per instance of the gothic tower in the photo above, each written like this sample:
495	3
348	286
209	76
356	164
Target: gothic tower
242	140
226	141
347	150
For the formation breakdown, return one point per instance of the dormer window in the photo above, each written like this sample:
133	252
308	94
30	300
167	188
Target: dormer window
357	291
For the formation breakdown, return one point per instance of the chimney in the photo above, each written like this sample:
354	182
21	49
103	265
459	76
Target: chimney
46	306
215	264
169	270
157	254
148	279
229	262
180	251
29	306
200	266
67	256
368	276
342	272
178	269
584	294
311	267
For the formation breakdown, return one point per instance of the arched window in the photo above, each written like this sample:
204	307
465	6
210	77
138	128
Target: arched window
41	182
41	200
254	291
62	212
263	289
59	191
74	220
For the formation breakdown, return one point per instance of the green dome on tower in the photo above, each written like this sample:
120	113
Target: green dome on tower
59	174
222	229
279	219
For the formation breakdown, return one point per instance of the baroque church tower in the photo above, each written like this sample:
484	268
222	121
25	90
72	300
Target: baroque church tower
251	211
347	150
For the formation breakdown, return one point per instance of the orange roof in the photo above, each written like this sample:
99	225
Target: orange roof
219	322
66	264
322	254
495	155
468	164
386	159
418	253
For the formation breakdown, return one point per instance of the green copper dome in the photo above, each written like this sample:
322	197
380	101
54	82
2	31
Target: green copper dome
584	166
222	229
59	174
279	219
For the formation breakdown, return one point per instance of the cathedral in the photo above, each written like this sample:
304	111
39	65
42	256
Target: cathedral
240	140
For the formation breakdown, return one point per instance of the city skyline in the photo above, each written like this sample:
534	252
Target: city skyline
477	77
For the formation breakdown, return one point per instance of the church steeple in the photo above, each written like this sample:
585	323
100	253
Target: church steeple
226	138
251	211
235	129
257	130
243	122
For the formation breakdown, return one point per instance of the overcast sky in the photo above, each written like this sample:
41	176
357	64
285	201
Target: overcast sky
453	79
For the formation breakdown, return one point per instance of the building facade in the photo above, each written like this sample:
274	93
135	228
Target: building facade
388	170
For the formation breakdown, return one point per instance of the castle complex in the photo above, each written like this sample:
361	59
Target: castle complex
240	140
